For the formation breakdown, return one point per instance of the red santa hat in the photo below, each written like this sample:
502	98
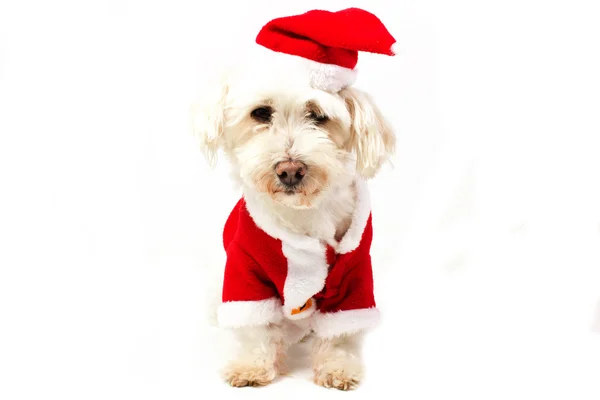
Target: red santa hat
327	43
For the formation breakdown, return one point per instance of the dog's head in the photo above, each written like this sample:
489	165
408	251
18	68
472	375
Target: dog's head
291	141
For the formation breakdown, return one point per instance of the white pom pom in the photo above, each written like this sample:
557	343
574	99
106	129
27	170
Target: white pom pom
330	78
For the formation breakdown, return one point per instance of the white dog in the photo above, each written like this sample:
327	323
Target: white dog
301	154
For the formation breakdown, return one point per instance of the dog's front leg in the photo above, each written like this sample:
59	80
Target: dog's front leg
257	357
337	361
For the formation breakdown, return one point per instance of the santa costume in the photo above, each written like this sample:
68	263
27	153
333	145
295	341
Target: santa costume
273	274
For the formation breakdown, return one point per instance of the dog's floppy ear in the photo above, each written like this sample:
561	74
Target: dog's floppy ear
208	118
372	137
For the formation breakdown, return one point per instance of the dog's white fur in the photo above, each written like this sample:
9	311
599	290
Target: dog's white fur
355	141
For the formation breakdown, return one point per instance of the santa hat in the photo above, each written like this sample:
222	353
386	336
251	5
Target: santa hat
327	43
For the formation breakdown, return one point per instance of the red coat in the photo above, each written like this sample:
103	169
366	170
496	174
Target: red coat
272	273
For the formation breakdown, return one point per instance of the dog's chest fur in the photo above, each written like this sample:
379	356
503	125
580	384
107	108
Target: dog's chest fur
328	222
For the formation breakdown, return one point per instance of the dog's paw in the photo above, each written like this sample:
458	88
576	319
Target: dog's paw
249	375
338	376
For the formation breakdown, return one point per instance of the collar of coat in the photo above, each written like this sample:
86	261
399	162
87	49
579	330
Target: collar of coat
349	242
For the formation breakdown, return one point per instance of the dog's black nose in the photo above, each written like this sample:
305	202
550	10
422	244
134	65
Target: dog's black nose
290	173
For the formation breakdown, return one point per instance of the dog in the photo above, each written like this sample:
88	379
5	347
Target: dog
302	155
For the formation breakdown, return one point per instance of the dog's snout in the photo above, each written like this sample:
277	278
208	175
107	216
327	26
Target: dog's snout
290	172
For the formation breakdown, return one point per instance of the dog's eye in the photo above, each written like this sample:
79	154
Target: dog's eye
262	114
318	118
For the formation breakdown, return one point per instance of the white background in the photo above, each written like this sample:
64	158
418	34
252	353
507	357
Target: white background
487	247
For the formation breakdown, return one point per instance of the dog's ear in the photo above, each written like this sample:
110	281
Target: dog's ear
372	137
208	118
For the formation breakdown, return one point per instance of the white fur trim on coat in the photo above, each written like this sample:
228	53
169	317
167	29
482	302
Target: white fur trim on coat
353	236
304	314
233	314
333	324
306	258
306	274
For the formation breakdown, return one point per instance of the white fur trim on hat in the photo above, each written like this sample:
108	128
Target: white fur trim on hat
330	78
339	323
234	314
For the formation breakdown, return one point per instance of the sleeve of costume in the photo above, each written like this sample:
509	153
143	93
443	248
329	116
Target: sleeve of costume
353	309
249	298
